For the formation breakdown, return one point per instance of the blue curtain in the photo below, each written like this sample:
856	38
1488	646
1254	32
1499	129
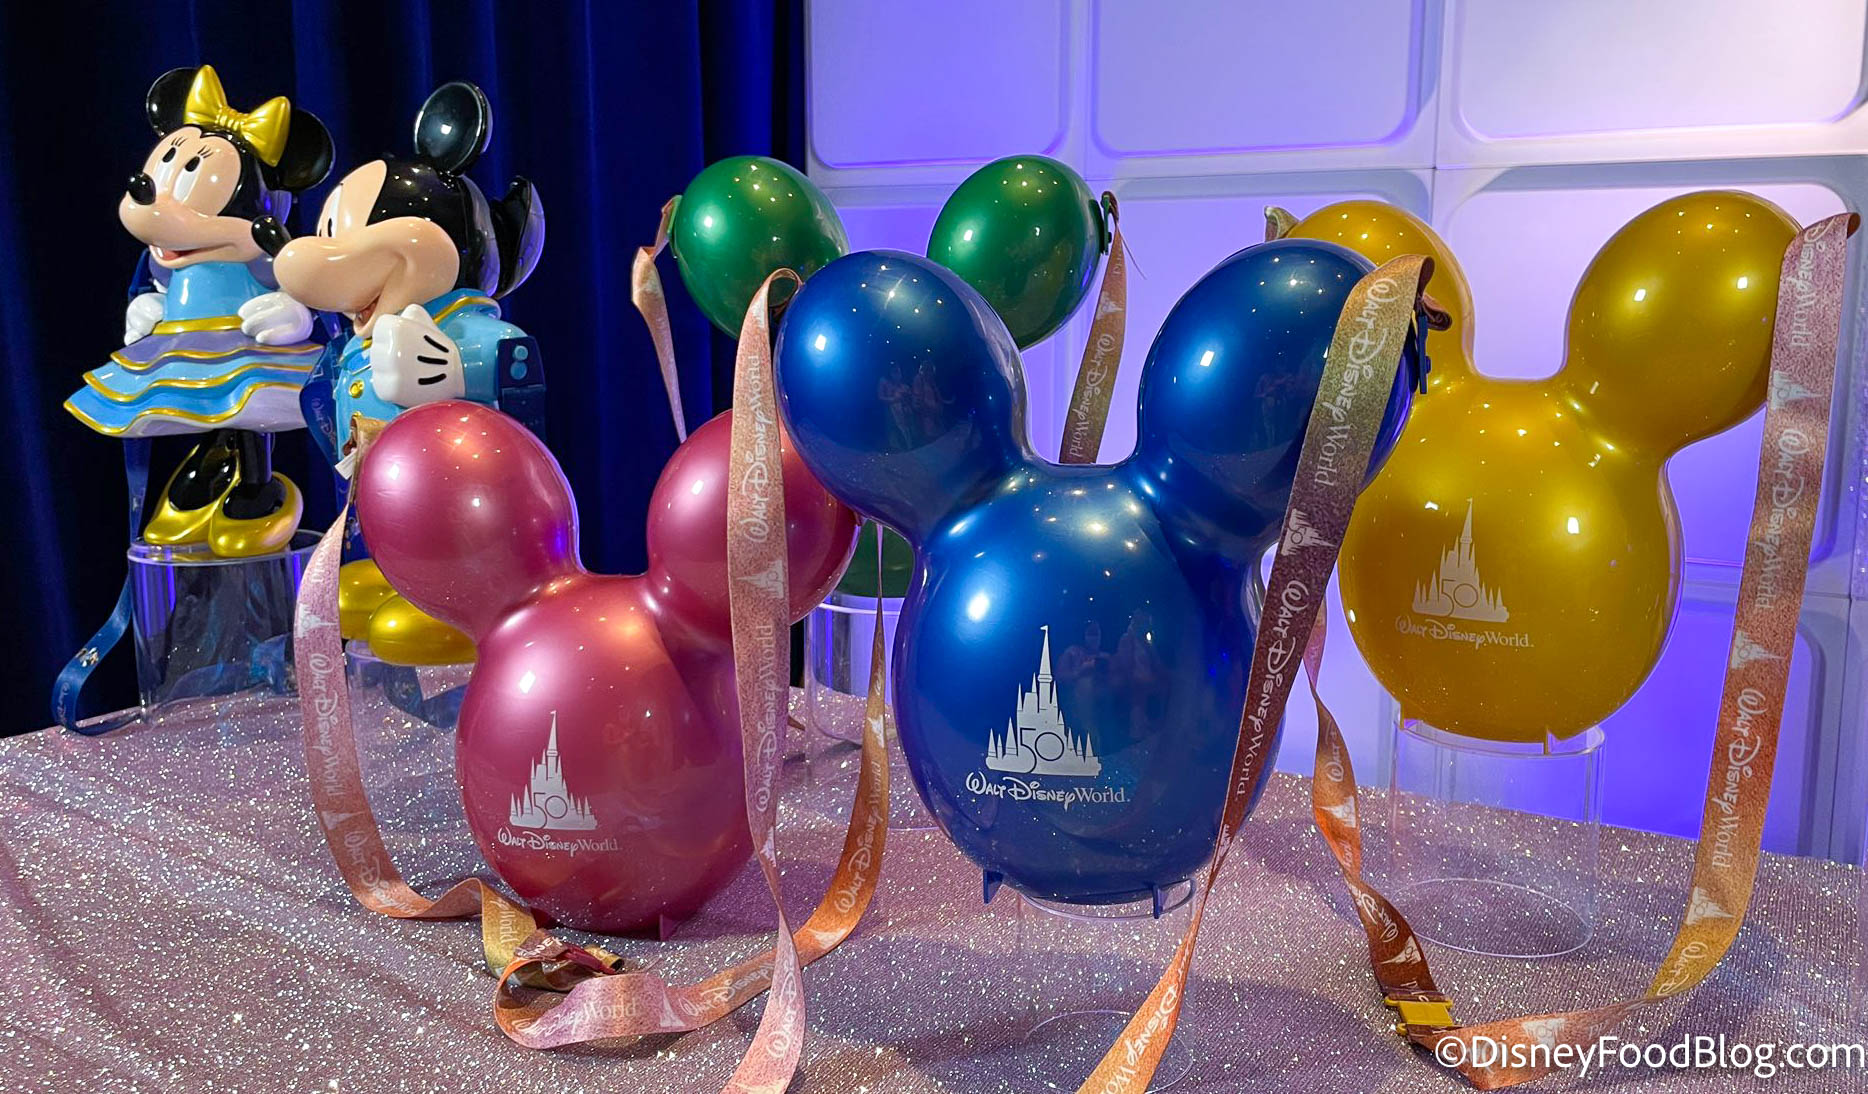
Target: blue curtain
609	107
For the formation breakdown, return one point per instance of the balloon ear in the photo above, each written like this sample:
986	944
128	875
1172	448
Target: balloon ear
466	512
1378	232
743	218
454	126
1026	231
901	388
1229	384
1670	328
687	530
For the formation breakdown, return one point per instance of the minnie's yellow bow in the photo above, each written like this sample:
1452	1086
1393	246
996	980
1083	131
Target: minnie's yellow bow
264	128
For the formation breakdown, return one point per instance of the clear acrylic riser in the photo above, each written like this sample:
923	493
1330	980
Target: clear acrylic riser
429	694
1080	972
837	637
837	642
1495	846
207	627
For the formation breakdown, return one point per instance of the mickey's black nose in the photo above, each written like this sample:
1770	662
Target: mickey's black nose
270	235
142	189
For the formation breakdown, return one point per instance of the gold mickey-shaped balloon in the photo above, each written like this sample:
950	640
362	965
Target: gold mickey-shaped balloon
1513	571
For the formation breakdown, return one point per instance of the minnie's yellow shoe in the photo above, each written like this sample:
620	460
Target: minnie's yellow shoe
402	634
236	537
212	462
361	589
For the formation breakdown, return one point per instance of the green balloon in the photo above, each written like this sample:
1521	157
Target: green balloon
1026	232
743	218
898	564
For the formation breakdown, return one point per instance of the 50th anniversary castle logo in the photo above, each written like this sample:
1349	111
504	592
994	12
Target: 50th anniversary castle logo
1036	741
545	805
1454	593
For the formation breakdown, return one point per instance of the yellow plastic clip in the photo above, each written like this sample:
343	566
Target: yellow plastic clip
1423	1012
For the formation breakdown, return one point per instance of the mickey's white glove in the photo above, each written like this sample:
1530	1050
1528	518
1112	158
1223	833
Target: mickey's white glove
412	362
142	316
275	319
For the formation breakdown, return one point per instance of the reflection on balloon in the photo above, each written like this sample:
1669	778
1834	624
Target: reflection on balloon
598	747
1072	652
1514	570
1024	231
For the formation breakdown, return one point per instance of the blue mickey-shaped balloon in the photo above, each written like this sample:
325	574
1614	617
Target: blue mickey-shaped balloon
1073	651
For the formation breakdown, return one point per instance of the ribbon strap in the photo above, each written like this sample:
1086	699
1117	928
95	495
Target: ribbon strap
630	1004
551	993
645	292
1790	473
68	690
1102	354
1357	375
343	808
758	588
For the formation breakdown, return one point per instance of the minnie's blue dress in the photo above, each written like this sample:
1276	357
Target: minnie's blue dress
197	370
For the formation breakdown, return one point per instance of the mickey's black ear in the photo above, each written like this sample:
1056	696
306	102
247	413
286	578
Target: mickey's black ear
271	235
519	228
165	99
454	126
308	153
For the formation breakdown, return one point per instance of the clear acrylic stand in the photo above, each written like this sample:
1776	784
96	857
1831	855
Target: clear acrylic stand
1081	972
1495	847
207	626
428	694
837	639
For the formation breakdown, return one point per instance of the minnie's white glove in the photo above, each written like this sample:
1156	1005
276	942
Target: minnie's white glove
412	362
142	316
275	319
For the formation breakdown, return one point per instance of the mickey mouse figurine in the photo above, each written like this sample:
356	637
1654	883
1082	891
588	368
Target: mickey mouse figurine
414	256
210	344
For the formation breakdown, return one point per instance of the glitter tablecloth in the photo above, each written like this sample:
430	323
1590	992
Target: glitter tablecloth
169	922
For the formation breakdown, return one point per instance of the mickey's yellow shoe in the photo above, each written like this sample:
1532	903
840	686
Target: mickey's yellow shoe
402	634
361	589
234	537
172	526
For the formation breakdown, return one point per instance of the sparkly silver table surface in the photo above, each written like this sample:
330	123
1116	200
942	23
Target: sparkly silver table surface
170	922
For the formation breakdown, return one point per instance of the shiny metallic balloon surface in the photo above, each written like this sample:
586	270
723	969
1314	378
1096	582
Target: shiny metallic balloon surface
1026	231
1074	647
1513	573
598	748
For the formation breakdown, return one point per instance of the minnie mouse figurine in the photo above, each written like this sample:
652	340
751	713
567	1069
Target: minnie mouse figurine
414	256
210	344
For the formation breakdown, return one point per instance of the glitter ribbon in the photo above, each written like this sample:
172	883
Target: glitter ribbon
1790	474
551	993
1358	374
645	292
1088	411
343	809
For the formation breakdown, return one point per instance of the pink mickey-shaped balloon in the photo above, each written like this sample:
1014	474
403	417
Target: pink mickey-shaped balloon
598	746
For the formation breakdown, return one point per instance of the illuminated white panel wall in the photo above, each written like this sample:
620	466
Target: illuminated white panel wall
1526	133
